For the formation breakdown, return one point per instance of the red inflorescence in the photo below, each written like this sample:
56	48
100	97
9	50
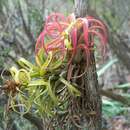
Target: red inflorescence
58	28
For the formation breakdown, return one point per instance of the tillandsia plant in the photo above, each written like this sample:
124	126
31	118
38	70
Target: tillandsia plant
46	86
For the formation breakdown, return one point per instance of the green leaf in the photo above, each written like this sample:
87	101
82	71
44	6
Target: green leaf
122	86
70	87
13	70
40	57
39	82
111	108
27	65
67	44
106	66
23	104
43	69
51	93
23	77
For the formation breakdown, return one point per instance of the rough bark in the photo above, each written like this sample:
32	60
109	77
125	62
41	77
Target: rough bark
81	7
89	104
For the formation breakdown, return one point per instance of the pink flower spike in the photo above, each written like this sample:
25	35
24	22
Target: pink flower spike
55	25
53	29
85	31
71	18
40	43
102	31
54	16
74	43
87	51
74	38
96	22
79	32
101	37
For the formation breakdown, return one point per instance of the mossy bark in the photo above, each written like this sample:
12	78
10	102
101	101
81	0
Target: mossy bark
86	110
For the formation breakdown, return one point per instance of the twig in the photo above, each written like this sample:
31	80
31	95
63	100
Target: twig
115	97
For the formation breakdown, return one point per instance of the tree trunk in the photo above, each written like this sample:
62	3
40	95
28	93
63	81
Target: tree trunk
86	111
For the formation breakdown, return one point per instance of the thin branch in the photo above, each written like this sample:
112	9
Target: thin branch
115	97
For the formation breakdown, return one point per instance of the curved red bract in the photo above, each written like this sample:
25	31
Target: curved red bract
58	28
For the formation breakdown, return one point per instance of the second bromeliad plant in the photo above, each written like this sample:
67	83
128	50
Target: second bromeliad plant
46	86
